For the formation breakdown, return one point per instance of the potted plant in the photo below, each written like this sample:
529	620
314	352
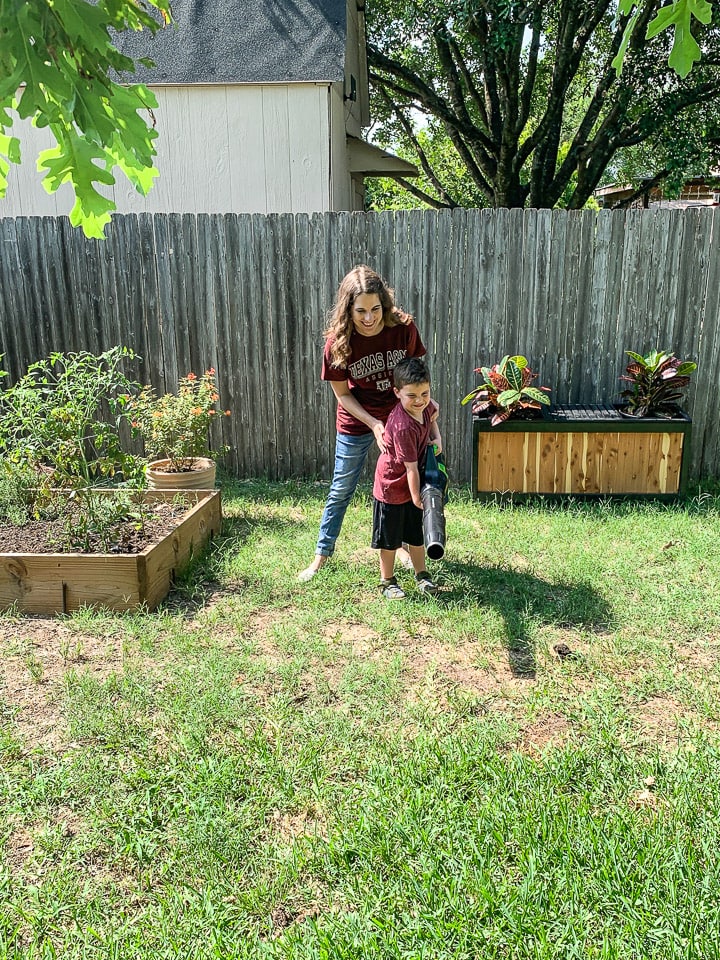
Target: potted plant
175	429
506	389
658	381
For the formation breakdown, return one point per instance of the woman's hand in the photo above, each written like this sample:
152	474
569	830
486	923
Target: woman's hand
379	433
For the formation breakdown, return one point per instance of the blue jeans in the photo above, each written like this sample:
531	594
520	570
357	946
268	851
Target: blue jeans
350	456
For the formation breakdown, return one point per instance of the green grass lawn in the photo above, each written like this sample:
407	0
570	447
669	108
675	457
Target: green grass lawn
264	768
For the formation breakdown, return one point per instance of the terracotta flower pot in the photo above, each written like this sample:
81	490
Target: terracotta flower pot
200	477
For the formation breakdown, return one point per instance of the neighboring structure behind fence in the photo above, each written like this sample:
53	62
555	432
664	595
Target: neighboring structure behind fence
248	294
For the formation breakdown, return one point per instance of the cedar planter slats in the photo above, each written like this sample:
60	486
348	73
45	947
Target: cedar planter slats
583	450
62	582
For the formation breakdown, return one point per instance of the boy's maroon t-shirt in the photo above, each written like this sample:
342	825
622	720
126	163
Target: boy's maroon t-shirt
406	441
368	371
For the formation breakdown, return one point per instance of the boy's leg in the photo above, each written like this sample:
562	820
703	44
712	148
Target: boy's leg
417	555
387	522
404	558
425	583
387	564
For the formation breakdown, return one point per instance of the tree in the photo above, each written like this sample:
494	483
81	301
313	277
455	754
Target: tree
58	66
528	92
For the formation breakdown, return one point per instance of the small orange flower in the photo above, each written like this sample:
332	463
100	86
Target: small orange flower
192	376
210	372
215	397
227	413
196	411
211	412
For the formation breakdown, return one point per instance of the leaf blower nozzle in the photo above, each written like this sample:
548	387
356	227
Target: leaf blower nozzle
433	522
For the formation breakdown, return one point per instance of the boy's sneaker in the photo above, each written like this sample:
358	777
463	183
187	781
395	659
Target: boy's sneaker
425	583
391	589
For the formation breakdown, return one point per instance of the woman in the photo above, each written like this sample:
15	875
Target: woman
366	337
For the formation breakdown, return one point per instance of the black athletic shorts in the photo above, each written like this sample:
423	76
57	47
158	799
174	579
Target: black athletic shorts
395	524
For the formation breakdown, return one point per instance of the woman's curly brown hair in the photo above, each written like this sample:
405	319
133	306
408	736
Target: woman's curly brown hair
359	280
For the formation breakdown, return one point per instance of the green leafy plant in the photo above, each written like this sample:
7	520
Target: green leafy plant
506	388
60	66
677	16
25	494
658	380
66	413
99	520
176	426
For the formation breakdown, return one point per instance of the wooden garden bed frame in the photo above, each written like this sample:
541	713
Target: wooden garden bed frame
582	450
53	583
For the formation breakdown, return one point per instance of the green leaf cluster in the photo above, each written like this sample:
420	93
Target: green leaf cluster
506	389
177	425
58	66
677	16
657	381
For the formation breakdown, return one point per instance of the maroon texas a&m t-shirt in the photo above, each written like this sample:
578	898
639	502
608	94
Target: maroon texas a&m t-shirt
368	371
406	441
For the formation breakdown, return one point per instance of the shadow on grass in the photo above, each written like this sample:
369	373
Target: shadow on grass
522	599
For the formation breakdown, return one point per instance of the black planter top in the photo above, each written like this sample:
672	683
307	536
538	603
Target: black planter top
591	412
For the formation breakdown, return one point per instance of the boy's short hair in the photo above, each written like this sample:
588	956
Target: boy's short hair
410	370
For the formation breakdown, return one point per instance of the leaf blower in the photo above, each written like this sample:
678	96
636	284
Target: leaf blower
433	494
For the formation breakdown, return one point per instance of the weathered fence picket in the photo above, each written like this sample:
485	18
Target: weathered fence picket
248	295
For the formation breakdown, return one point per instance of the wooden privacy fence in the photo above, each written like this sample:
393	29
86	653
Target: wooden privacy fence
248	294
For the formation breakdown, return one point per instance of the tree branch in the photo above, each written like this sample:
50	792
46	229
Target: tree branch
417	90
531	75
417	147
457	99
470	84
421	194
646	187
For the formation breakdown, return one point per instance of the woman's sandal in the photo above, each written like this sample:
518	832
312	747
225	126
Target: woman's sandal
391	589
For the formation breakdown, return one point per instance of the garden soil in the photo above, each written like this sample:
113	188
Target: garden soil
126	536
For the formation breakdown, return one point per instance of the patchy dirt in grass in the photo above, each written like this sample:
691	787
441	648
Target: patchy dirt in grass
548	732
703	654
288	827
664	720
462	679
38	654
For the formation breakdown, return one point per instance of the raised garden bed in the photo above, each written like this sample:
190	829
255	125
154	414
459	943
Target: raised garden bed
48	583
582	450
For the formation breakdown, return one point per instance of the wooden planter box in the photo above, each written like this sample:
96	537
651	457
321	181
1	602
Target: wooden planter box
62	582
582	451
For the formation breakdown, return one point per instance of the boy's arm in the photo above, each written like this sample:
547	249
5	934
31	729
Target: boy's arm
413	475
435	435
434	428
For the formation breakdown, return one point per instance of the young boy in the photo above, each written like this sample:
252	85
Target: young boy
397	509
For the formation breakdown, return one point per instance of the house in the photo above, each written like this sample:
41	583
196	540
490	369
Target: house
261	108
695	192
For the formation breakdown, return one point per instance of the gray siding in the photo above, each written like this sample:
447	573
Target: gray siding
237	149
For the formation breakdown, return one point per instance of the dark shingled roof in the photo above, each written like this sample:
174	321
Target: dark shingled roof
243	41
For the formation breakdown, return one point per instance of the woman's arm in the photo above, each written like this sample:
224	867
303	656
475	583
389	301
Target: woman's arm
355	409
